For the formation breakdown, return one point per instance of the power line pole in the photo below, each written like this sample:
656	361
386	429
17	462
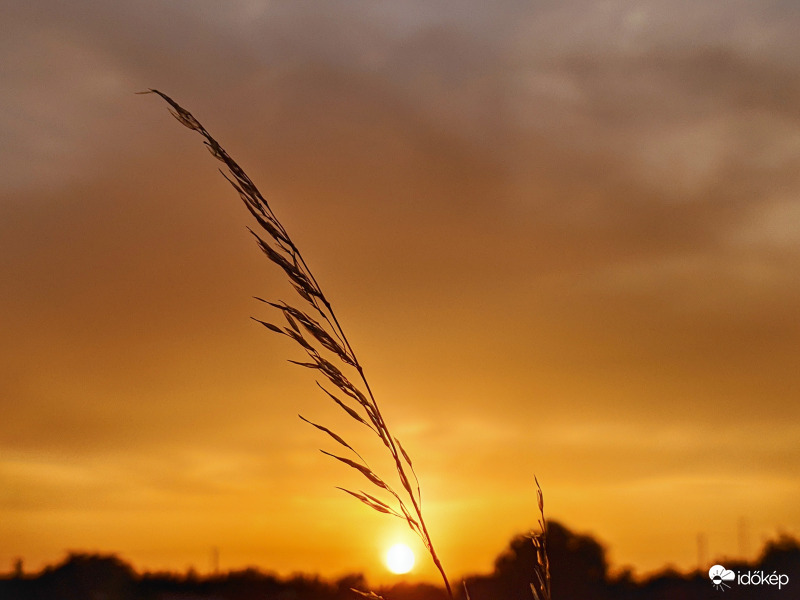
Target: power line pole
743	539
215	560
702	550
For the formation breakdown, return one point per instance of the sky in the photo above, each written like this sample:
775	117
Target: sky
563	238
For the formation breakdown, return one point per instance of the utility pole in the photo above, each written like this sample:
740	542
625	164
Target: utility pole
743	539
702	550
215	560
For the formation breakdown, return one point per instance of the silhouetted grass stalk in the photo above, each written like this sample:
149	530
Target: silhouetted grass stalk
541	587
325	336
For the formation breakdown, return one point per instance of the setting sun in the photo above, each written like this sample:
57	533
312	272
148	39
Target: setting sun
399	559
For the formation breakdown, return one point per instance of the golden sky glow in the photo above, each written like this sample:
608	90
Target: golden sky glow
563	239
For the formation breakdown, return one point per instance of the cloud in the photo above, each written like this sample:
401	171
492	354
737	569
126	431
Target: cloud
531	213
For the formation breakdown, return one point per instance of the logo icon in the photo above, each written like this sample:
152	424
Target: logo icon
719	575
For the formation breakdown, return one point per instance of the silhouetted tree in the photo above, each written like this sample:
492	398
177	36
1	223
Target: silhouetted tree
578	568
90	576
412	591
781	555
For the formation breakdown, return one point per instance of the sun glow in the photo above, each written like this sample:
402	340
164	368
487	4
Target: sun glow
399	559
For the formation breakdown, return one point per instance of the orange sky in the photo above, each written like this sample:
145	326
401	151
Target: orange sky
563	239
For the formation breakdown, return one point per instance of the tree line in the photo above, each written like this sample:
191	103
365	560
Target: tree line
578	564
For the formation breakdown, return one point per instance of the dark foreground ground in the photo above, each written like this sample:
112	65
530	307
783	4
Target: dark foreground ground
578	566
